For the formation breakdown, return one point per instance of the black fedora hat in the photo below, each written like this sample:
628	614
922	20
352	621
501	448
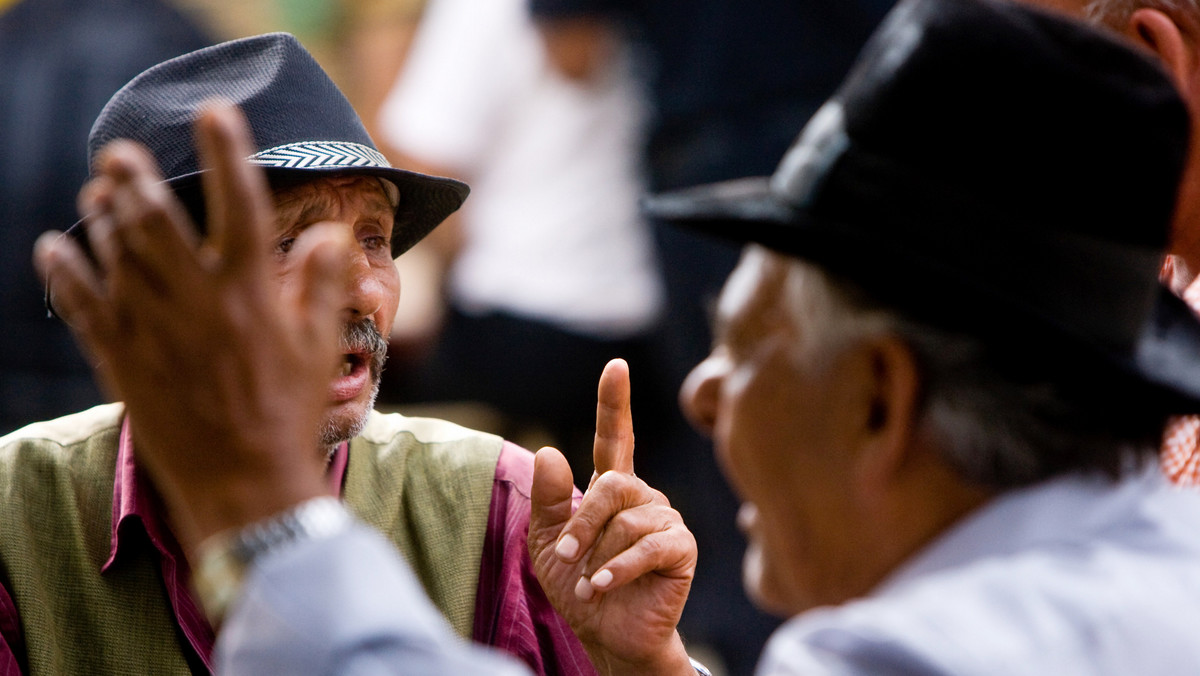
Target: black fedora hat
301	122
995	170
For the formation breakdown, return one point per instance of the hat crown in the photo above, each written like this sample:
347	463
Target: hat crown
285	95
1042	134
1013	153
301	123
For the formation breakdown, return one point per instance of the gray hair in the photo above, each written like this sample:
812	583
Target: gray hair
992	429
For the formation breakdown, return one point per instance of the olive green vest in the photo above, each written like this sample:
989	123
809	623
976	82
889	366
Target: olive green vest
427	484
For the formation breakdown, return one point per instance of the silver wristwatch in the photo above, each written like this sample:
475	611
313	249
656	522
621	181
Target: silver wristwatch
224	558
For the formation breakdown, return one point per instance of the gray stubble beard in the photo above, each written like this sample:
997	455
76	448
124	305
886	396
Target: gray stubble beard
356	336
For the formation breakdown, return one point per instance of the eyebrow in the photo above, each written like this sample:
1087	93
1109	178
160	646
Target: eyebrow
312	211
382	202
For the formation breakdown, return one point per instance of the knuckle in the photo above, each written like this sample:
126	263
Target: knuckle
625	521
618	481
652	546
586	520
157	206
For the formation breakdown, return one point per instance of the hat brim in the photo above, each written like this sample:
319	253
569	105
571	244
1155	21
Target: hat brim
1163	371
744	210
424	200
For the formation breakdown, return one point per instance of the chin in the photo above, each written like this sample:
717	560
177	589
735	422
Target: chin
345	421
757	582
766	590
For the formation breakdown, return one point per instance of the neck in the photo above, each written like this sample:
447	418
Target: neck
924	504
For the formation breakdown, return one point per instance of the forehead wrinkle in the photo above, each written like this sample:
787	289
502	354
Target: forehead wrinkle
315	199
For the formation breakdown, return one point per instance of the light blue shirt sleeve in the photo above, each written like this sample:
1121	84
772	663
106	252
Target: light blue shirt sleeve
1076	576
346	604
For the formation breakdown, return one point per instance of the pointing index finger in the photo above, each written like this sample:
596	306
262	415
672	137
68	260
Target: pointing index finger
613	448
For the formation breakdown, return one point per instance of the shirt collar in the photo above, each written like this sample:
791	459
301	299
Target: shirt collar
1071	508
135	500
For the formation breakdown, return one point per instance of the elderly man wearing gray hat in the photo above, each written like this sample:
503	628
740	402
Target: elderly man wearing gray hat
184	328
941	370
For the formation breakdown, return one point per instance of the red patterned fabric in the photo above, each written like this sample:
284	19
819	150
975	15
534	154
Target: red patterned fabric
1180	456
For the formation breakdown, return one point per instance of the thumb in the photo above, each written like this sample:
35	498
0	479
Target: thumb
550	498
324	250
311	308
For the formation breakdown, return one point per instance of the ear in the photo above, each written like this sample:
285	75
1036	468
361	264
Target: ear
889	432
1174	42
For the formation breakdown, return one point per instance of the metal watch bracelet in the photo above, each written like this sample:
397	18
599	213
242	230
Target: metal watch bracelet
224	558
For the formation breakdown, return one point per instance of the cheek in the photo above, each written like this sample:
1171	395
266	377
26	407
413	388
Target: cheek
285	277
389	281
759	432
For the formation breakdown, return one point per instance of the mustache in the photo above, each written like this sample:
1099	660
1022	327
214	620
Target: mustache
363	336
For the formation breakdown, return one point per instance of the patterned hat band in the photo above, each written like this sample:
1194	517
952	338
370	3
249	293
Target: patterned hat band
327	155
319	155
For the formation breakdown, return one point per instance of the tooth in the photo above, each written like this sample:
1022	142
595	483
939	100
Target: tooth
346	368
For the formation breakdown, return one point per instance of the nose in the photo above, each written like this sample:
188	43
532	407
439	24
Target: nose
365	290
700	392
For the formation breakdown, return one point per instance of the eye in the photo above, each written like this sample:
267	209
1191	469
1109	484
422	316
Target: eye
375	242
285	245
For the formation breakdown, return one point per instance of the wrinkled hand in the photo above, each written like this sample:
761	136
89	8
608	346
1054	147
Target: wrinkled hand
619	569
224	378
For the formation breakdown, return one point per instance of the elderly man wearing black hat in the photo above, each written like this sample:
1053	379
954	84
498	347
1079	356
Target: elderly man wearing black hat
208	340
950	316
941	371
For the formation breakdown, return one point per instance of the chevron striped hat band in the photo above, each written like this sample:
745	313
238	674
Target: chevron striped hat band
301	122
319	154
328	155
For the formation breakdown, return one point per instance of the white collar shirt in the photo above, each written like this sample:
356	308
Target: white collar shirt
1072	576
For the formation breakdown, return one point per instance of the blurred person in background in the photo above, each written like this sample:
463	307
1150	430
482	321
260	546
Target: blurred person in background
728	84
360	43
60	61
374	40
547	272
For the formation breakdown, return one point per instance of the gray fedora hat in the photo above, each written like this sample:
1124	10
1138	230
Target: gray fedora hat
301	122
994	170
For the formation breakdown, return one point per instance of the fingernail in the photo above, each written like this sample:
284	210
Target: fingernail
567	547
583	590
602	579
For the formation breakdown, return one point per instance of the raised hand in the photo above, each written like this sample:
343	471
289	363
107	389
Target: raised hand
224	376
620	567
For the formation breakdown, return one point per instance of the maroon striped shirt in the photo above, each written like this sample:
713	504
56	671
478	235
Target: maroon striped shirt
511	611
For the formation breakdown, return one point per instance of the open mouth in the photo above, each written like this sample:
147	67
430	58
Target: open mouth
363	353
351	362
352	377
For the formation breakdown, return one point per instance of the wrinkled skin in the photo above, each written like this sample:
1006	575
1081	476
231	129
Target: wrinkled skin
619	569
